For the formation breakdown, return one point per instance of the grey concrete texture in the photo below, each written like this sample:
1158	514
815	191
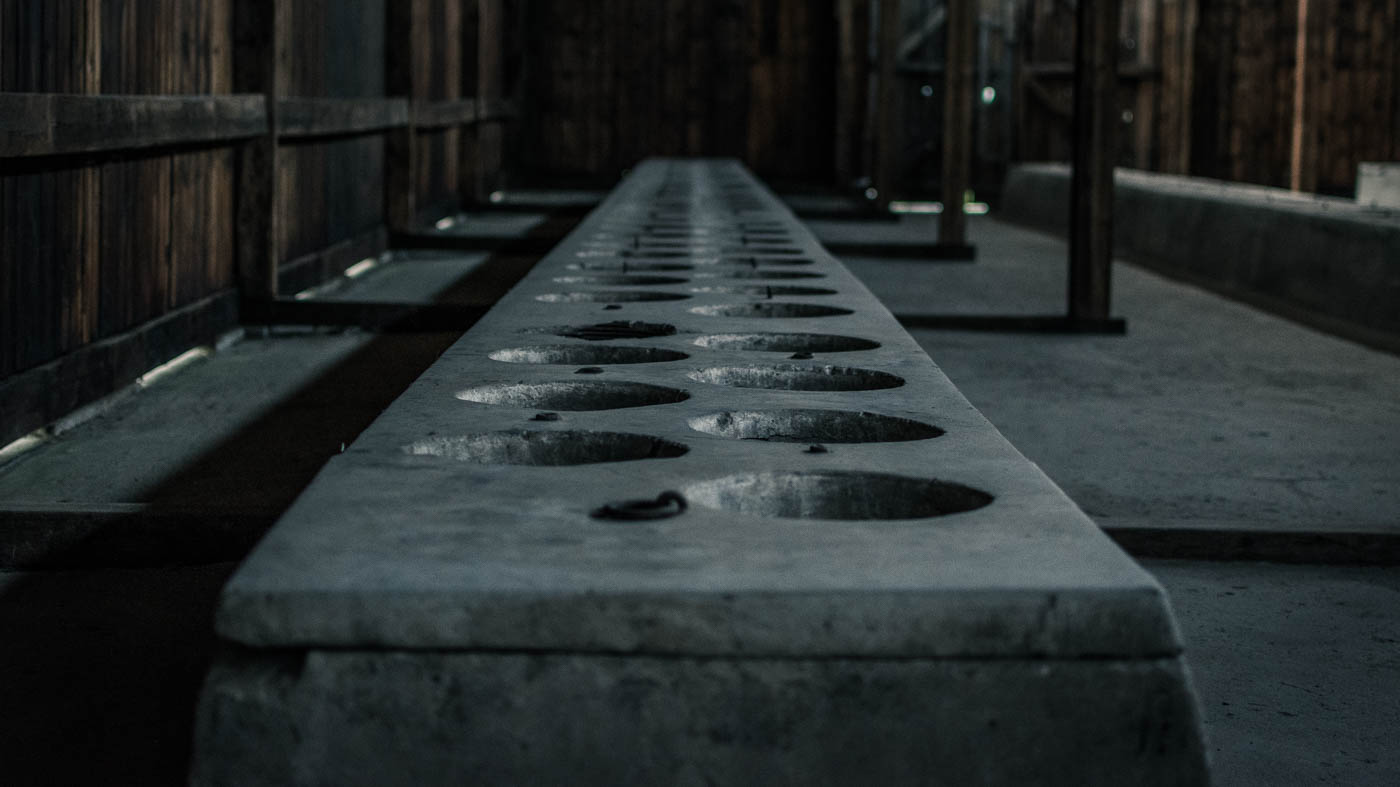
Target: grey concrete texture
418	550
432	718
1297	667
1321	257
1378	184
946	575
1207	415
417	276
155	446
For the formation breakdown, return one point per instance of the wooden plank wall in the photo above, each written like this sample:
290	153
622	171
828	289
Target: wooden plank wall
1214	91
625	79
137	244
92	248
334	188
437	75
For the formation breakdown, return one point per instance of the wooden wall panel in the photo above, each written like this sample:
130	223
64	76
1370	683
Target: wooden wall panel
626	79
436	66
1223	74
332	188
1355	97
94	249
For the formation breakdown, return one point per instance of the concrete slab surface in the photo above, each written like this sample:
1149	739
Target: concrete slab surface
1298	669
404	557
1207	414
856	532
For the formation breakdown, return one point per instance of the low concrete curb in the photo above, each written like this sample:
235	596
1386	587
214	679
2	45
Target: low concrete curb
1323	261
689	506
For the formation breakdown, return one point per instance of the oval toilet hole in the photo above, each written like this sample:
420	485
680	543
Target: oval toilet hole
835	495
573	396
618	329
609	296
770	310
762	290
585	354
749	273
813	426
793	377
561	447
784	342
624	267
621	279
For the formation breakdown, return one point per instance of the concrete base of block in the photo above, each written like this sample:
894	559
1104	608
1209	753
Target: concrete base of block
429	718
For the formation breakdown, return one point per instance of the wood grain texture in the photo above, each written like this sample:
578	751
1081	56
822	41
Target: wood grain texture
46	124
626	79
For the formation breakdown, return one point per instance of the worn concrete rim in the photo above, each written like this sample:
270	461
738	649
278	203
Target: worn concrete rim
792	377
835	495
809	425
572	395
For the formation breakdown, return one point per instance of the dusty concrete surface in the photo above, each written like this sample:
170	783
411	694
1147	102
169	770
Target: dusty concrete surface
552	718
1298	669
1207	413
1325	260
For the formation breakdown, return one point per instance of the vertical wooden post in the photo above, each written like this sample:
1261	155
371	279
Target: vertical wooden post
1095	134
1300	97
959	76
400	186
852	87
887	129
256	26
1145	113
490	76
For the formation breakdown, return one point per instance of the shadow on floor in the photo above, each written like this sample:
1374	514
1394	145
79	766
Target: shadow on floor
103	659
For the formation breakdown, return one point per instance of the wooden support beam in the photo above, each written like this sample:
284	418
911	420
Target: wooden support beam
1094	154
303	118
433	115
490	85
852	88
50	124
256	27
1297	152
958	86
886	131
400	154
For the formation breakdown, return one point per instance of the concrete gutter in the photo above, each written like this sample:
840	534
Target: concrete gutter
1327	262
866	581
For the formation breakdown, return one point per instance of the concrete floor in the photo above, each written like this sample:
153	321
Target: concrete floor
1207	412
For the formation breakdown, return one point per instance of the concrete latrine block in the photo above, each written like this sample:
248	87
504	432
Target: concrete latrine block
854	578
